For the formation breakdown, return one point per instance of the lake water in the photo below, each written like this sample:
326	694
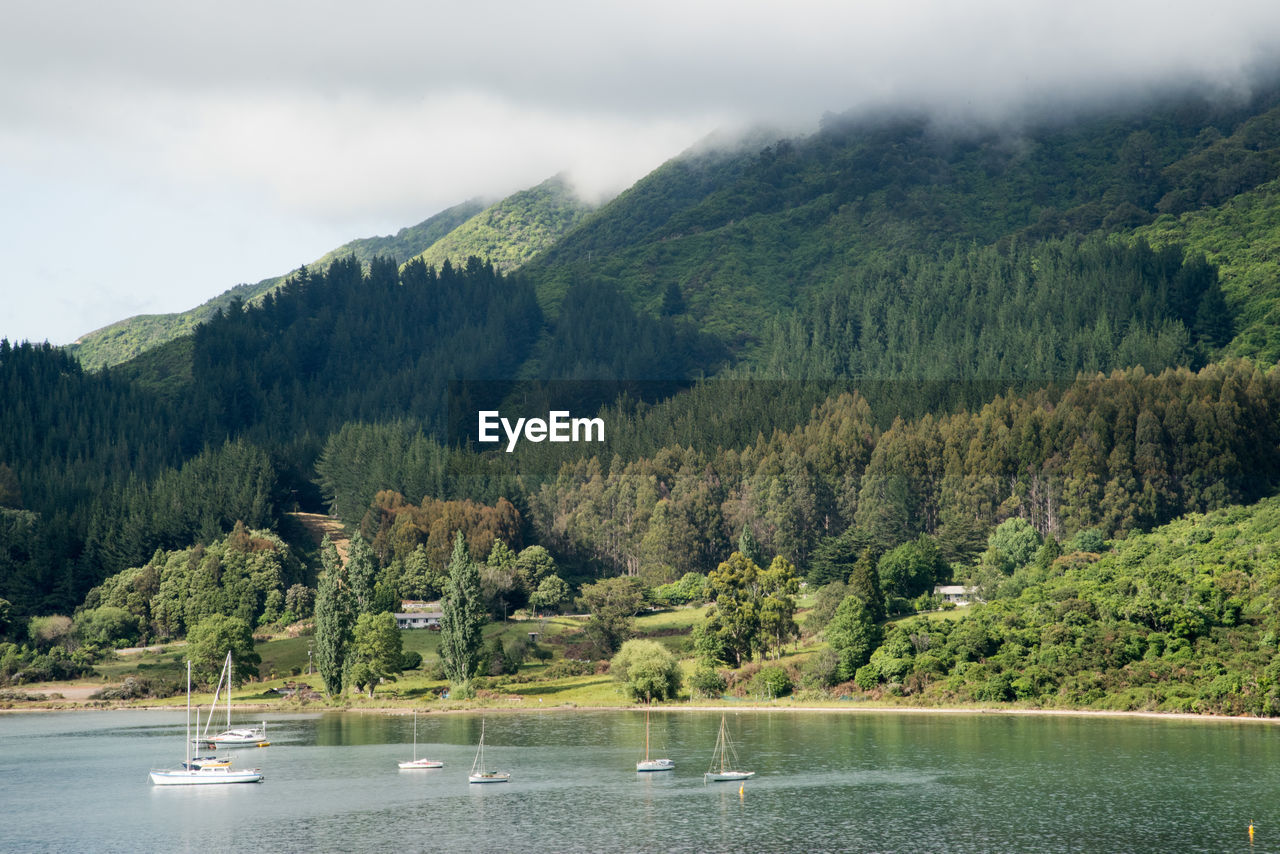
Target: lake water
902	782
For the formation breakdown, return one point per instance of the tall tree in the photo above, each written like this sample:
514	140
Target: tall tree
613	604
362	572
462	615
335	618
376	651
735	617
853	634
779	586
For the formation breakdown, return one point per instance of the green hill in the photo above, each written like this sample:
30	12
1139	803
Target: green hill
1242	237
126	339
1182	619
512	231
936	271
743	236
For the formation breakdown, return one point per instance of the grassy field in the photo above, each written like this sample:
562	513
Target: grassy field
565	679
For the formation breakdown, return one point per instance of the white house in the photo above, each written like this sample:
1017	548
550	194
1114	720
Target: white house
419	615
956	593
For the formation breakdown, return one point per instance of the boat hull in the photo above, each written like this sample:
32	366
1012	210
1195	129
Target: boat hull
727	776
492	777
204	777
421	763
656	765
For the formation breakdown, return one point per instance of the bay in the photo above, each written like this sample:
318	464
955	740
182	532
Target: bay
825	781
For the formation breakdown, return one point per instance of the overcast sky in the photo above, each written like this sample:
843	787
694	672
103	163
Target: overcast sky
154	154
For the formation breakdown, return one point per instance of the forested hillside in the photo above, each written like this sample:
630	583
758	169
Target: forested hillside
129	338
741	236
888	332
510	232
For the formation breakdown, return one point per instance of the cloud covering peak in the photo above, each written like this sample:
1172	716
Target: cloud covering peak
257	135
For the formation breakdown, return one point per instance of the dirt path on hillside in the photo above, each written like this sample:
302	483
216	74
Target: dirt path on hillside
318	524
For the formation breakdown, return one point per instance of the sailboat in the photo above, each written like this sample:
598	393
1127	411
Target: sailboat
201	772
648	764
419	763
479	774
724	760
250	736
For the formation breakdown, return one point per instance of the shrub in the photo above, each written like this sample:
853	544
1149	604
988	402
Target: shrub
707	681
772	681
821	670
647	670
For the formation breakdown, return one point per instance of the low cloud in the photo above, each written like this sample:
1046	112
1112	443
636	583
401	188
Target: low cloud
353	116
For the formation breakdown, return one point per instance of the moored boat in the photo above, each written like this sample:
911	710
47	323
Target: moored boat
201	771
648	764
416	762
480	774
724	760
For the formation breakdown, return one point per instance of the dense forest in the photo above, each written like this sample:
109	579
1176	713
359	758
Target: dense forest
879	345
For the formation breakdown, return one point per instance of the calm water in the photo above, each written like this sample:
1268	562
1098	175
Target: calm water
77	781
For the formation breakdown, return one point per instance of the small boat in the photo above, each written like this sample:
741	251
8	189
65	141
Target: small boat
648	764
201	771
724	760
416	762
249	736
479	774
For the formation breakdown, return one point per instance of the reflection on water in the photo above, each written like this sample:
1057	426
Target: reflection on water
824	782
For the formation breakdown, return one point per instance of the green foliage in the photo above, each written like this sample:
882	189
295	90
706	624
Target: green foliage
771	682
238	575
376	655
707	681
54	630
613	604
335	619
463	615
509	233
1239	236
853	634
108	626
1012	545
647	670
24	665
734	618
1182	619
688	590
211	639
911	568
552	592
778	589
126	339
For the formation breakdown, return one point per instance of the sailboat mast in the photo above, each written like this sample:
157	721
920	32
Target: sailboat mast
187	764
228	668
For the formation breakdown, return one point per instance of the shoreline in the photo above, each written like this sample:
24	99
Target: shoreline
992	711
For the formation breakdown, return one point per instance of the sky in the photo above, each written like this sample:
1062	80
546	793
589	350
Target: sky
155	154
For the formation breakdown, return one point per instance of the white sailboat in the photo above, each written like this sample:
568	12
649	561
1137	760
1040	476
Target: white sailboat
419	763
250	736
201	772
648	764
724	760
479	774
